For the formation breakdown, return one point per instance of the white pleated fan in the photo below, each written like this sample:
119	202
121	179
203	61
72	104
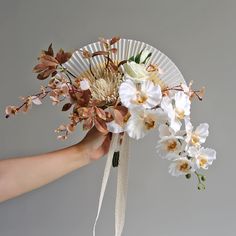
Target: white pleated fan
170	74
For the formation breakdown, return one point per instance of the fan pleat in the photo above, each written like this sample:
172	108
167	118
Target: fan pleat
126	48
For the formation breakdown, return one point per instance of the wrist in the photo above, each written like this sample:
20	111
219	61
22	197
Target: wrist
80	154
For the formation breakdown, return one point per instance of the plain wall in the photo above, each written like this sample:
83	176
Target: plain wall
200	37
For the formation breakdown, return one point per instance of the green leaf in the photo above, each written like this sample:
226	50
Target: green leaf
132	58
137	58
149	55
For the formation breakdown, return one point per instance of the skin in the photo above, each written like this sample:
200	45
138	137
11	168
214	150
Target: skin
21	175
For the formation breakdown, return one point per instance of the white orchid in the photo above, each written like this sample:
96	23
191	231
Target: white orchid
198	136
171	143
145	95
178	109
142	121
181	166
203	156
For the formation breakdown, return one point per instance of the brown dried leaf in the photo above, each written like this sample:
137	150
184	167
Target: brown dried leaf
62	56
109	116
88	124
84	112
86	54
122	63
100	125
114	40
113	50
39	68
165	91
75	118
26	107
48	60
54	73
152	68
119	114
45	74
70	128
10	110
100	113
84	97
113	66
202	92
99	53
66	107
49	51
118	117
104	42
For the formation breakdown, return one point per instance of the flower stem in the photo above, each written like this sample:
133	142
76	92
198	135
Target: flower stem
201	185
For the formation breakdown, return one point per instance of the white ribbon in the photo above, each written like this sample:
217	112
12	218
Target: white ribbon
122	186
122	180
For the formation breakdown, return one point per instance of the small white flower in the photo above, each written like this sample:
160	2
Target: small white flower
113	127
171	143
145	95
165	130
177	109
182	105
84	84
142	121
181	166
198	136
36	100
135	71
203	156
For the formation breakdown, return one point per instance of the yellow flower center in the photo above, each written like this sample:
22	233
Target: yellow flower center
195	139
141	97
171	146
184	167
202	161
126	117
149	123
180	114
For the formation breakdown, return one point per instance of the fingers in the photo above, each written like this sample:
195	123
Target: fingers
106	144
95	139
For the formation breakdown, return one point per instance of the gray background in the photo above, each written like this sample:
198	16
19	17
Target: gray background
200	37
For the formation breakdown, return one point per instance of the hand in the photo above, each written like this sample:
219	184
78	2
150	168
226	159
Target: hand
95	144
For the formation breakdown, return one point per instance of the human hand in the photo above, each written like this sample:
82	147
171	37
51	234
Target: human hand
95	144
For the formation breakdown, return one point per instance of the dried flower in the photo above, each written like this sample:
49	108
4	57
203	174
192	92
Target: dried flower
124	95
105	88
48	63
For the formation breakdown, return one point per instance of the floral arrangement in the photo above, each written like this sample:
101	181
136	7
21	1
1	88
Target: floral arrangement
125	87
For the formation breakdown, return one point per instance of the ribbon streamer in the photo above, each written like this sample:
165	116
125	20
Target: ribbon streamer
122	186
122	182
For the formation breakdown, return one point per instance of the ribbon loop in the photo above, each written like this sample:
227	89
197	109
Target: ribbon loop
122	182
113	146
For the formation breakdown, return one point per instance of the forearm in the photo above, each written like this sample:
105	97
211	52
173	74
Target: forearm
20	175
